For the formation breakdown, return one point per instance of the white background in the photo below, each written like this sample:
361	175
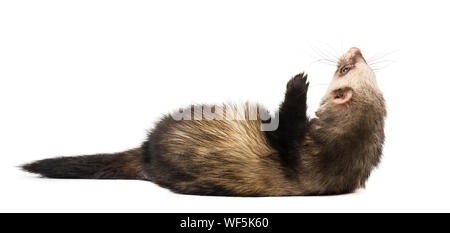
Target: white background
84	77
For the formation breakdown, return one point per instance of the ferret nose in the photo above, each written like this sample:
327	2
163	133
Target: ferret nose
354	52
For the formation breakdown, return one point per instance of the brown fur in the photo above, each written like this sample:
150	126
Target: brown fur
331	154
341	147
234	155
133	162
228	153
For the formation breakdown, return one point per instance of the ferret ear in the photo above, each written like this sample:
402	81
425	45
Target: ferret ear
342	95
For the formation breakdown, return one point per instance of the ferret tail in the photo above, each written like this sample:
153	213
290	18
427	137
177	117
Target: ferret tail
122	165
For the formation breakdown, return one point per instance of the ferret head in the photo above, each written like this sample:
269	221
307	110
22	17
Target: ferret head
353	79
353	76
353	92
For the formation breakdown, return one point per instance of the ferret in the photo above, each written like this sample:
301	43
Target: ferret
204	152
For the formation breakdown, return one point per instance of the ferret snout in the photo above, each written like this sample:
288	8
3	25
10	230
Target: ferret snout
353	54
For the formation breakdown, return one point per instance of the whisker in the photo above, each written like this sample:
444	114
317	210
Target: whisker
324	54
324	61
380	56
380	62
329	56
333	51
381	68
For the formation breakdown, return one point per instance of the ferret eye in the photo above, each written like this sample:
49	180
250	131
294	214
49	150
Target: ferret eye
345	69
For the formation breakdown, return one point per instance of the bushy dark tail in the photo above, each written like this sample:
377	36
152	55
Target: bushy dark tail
123	165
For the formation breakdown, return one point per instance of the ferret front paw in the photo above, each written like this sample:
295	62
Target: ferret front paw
298	84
